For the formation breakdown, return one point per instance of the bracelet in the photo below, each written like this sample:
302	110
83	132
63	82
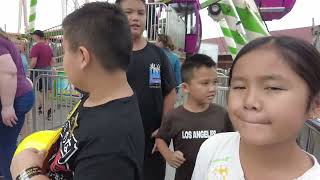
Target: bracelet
29	172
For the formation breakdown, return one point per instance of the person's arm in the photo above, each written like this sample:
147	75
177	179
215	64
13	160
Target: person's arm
168	102
8	80
39	177
53	61
26	159
173	158
163	148
177	69
163	138
33	56
33	62
168	83
8	88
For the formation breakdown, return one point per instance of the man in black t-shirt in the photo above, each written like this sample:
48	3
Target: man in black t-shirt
103	137
151	77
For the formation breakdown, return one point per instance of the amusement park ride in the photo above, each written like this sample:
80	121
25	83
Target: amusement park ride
240	20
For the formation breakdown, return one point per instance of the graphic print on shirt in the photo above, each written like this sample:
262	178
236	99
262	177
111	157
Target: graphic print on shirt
219	169
154	76
69	142
67	147
202	134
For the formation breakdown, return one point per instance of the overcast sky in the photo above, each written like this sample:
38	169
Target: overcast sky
49	14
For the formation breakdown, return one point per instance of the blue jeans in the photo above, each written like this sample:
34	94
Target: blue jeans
9	135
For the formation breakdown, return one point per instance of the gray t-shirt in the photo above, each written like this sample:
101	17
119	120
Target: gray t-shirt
189	130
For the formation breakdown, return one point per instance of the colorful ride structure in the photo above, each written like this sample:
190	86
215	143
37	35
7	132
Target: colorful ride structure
240	20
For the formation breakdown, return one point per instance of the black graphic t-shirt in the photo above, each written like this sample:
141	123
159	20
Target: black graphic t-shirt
151	77
189	130
101	142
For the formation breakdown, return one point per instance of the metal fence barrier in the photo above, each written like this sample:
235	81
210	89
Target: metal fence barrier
55	97
223	80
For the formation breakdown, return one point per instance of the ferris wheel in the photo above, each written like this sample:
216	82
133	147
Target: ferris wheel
27	20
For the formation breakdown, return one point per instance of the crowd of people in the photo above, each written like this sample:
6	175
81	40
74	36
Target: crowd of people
17	99
122	128
17	95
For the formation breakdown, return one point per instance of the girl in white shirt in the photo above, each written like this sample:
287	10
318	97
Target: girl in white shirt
274	89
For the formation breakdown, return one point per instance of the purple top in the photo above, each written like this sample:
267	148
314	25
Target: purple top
23	85
43	52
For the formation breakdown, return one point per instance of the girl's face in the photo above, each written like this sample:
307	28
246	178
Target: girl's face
22	47
267	100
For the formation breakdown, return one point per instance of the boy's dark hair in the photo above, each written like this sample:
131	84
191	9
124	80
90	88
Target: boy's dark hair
301	56
119	1
103	29
194	62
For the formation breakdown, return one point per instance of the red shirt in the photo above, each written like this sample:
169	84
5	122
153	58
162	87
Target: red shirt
43	52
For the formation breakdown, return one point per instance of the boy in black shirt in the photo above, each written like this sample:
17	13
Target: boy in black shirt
150	76
196	120
103	138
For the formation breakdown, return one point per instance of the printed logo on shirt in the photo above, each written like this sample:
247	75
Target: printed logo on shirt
203	134
154	76
59	168
219	169
69	142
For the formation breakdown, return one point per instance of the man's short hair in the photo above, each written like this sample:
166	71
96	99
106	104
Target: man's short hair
103	29
39	33
119	1
194	62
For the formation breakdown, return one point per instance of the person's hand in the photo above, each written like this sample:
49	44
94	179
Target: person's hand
175	159
30	82
8	115
153	135
25	159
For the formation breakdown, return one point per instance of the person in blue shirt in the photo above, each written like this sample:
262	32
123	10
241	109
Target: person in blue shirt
166	44
25	63
22	49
